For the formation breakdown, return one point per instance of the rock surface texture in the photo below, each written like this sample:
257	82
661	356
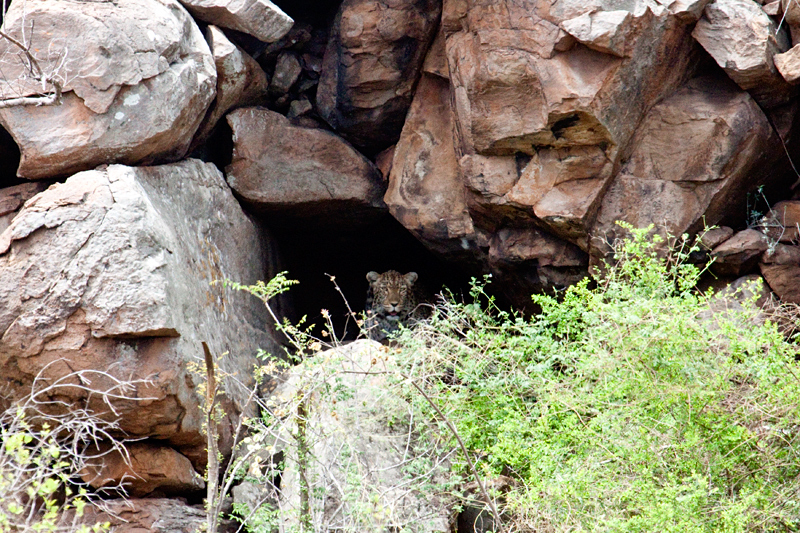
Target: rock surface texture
111	271
260	18
137	79
279	167
371	66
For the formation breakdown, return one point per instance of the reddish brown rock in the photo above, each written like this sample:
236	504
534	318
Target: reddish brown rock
425	191
279	167
788	64
519	85
527	260
743	40
150	515
781	268
138	80
782	223
240	81
371	66
111	272
12	199
740	254
146	469
714	237
695	157
686	10
260	18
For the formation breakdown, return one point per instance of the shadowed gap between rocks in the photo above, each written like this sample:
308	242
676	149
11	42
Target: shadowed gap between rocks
311	251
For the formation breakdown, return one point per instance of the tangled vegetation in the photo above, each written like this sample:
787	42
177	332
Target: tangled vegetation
626	405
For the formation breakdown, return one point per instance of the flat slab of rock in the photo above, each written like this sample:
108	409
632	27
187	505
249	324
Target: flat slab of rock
139	78
260	18
111	271
743	40
150	515
371	65
279	167
740	254
148	468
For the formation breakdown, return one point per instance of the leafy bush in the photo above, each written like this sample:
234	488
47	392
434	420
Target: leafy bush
624	406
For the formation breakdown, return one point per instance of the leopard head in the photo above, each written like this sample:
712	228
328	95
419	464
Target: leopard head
391	294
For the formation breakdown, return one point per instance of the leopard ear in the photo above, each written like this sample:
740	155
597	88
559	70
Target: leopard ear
411	277
372	276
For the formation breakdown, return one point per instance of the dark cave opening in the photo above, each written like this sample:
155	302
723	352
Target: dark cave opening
318	13
313	252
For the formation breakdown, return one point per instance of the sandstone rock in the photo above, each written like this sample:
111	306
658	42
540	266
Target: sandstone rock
260	18
686	10
714	237
782	223
739	254
12	199
139	78
425	190
791	17
352	437
742	39
278	167
610	32
111	270
240	81
527	260
301	106
287	70
733	301
781	269
695	156
773	9
151	515
371	66
788	64
147	469
518	87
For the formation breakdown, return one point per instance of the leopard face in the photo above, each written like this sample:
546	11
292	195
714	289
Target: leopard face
391	300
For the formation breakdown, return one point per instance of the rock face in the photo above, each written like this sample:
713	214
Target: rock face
279	167
111	271
240	81
12	199
743	41
155	515
371	66
426	193
260	18
695	157
351	439
147	469
138	79
521	82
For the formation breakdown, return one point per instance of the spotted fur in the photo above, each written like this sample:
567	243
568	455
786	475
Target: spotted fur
392	299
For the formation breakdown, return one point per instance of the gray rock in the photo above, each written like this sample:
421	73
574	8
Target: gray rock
138	79
112	271
260	18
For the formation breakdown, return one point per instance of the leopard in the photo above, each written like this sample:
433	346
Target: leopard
392	299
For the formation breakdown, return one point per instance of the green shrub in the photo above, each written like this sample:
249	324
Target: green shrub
623	406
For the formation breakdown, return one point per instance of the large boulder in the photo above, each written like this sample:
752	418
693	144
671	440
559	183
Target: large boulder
743	40
360	478
696	156
371	66
137	79
306	172
260	18
781	268
111	272
147	515
426	193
